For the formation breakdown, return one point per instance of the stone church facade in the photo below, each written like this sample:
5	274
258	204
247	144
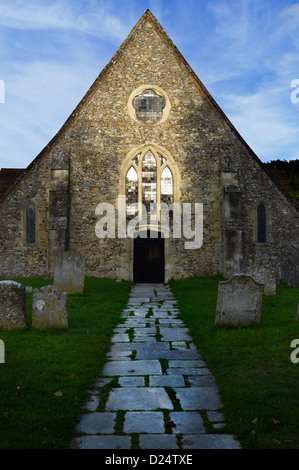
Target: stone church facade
148	131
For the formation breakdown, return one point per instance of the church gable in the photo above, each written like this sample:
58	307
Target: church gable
149	131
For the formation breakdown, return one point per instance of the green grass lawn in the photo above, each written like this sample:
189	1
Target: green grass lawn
258	383
38	364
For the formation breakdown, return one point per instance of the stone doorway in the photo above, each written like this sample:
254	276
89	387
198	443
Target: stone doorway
149	258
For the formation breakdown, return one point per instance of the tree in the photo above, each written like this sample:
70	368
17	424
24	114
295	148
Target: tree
291	169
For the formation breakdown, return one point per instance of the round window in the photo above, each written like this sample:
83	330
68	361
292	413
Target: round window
149	105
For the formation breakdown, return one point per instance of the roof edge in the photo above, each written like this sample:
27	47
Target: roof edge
147	16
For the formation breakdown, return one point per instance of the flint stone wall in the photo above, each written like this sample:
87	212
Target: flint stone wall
239	301
49	308
12	305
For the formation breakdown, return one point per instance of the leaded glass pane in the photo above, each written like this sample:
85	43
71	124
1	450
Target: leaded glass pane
167	186
149	180
131	191
30	224
149	106
261	224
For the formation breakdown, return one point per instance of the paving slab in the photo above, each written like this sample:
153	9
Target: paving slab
189	371
197	398
102	381
174	334
158	346
132	323
172	321
145	339
187	422
209	441
103	442
143	367
131	381
144	422
158	441
166	381
144	331
92	403
181	345
187	363
120	338
97	423
215	416
166	354
138	399
119	355
219	425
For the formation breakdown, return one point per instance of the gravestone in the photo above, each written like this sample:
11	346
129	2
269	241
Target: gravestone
239	301
49	308
69	273
263	271
12	305
267	278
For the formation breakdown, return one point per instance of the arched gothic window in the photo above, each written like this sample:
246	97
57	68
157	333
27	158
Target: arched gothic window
30	224
149	180
261	217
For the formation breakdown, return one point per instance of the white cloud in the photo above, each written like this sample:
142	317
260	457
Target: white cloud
292	11
266	123
246	53
46	74
62	15
40	96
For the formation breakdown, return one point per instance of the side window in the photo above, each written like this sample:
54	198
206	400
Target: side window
30	224
261	218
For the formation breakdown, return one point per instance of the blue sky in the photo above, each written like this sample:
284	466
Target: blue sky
246	52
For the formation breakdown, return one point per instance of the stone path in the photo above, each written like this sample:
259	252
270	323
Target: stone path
159	392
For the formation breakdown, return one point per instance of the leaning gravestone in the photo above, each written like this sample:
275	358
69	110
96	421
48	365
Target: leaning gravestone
69	273
239	301
12	305
262	270
49	308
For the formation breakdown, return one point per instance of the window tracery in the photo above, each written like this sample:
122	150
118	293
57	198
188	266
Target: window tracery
149	180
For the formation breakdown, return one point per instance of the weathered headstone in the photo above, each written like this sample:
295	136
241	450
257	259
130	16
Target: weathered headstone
239	301
49	308
267	278
12	305
70	273
263	271
289	265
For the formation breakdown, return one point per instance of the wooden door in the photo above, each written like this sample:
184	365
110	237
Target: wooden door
149	264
